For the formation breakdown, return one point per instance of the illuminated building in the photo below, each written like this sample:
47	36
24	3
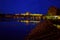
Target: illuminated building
28	17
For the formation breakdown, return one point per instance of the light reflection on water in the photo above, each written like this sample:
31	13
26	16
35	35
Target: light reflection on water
15	29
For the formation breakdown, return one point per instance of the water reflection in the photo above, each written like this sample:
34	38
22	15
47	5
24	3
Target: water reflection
16	26
15	30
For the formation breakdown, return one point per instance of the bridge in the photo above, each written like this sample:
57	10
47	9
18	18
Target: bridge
28	17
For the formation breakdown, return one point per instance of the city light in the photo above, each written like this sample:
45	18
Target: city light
29	17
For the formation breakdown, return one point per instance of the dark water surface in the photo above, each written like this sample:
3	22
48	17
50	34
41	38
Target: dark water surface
14	30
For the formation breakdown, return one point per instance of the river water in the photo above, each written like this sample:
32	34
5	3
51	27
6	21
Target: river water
14	30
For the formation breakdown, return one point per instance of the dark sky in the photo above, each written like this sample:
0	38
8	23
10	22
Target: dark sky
20	6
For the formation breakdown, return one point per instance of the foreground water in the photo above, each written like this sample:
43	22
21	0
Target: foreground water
14	30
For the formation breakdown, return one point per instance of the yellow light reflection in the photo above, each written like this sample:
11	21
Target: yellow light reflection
58	26
58	17
26	21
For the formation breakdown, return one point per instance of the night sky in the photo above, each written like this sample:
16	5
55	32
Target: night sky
21	6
